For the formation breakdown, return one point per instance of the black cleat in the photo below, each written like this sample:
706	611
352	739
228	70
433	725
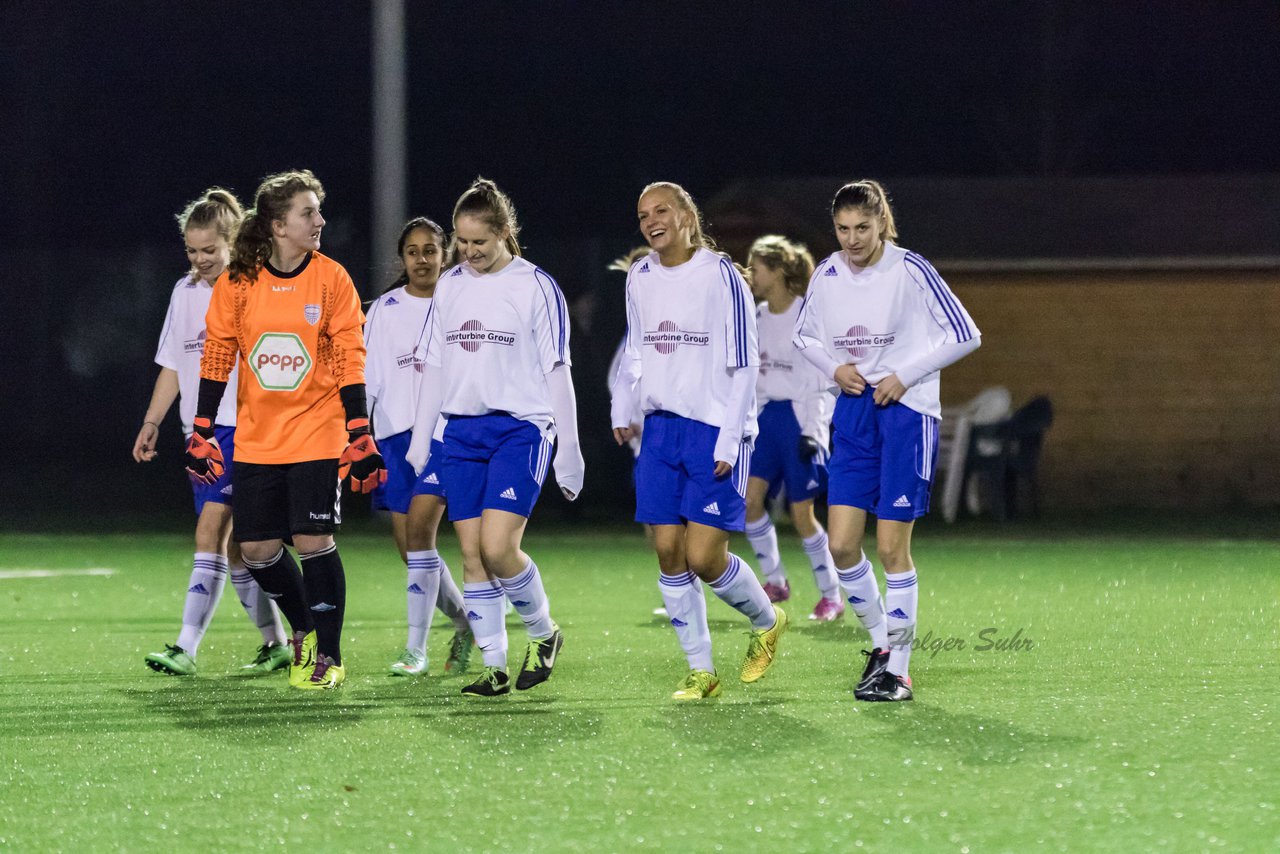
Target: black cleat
887	688
539	658
877	661
493	682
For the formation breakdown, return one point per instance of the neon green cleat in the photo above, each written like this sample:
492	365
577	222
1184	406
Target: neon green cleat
763	647
174	661
698	685
304	657
271	657
459	651
493	682
409	663
325	676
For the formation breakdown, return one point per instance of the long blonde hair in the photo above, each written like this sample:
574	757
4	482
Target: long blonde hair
684	201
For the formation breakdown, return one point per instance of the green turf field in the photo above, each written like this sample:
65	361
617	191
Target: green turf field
1142	716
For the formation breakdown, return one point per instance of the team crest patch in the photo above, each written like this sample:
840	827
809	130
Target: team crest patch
311	312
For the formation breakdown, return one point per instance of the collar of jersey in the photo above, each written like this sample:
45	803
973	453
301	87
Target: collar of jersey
306	259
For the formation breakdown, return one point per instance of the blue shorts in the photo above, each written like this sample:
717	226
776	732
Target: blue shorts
493	462
432	480
776	457
675	476
402	482
883	457
219	492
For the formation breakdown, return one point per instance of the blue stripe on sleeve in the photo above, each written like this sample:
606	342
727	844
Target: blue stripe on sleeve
943	295
558	318
730	276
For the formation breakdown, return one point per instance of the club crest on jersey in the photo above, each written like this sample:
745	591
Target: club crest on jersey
280	361
668	337
311	312
472	335
859	341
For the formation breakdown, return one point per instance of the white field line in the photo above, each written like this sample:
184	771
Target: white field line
6	574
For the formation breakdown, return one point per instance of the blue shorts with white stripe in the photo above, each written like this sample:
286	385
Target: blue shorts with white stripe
493	462
882	457
675	476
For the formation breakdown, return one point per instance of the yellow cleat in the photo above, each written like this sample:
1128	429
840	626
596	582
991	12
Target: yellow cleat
325	675
698	685
304	657
763	647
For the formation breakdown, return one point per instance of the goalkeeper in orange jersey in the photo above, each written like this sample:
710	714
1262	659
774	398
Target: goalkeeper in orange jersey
292	317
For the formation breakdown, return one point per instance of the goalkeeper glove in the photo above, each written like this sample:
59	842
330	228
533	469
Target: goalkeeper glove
204	457
361	460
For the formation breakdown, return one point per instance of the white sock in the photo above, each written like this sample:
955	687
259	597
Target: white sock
764	539
424	584
863	593
484	603
204	589
739	588
258	605
824	566
687	608
449	599
900	598
530	600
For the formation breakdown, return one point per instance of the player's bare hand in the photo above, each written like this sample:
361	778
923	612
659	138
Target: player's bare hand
889	390
144	447
623	435
723	469
849	380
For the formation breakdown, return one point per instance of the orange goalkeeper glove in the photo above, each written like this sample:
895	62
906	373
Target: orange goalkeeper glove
361	461
204	457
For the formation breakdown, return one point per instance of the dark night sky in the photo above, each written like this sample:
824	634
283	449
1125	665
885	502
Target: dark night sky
114	114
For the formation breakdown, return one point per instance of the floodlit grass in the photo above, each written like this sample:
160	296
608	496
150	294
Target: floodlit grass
1137	712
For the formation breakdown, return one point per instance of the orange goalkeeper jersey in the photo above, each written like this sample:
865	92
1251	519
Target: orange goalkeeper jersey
299	339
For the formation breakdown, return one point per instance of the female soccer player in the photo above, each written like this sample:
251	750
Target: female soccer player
207	226
293	316
795	410
880	324
497	370
691	361
392	334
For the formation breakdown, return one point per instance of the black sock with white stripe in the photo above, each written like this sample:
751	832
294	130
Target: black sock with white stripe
280	579
326	598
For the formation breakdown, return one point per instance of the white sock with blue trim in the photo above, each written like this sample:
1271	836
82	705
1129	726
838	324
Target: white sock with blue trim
901	596
204	589
824	566
485	602
424	583
687	607
863	592
258	605
764	540
449	599
739	588
530	601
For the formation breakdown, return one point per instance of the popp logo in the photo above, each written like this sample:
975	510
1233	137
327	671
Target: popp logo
280	361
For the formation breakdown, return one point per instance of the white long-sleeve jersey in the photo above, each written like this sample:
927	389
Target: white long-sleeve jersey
689	328
884	319
394	329
182	345
786	375
496	336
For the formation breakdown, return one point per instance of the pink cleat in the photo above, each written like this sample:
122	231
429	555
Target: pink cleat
827	610
778	592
